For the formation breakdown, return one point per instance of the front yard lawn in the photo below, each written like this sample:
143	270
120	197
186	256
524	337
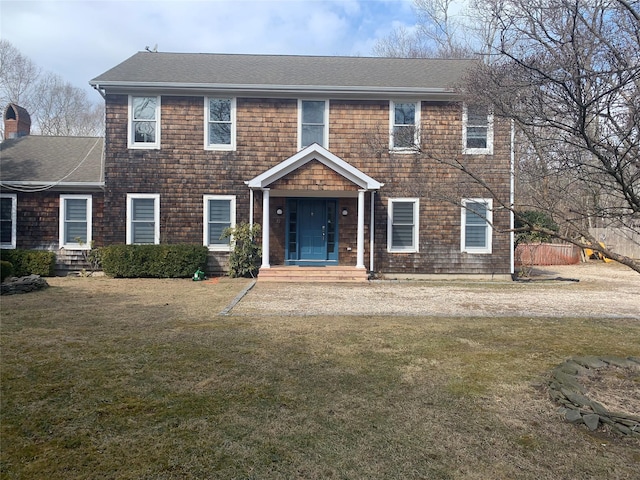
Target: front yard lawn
144	379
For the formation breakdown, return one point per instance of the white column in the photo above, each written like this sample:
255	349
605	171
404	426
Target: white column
265	228
360	244
372	231
251	207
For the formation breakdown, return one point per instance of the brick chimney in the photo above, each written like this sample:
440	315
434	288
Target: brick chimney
17	122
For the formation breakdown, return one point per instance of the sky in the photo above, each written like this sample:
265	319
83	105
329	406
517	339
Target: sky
81	39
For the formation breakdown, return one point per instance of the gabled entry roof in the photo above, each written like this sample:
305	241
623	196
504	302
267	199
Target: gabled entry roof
322	155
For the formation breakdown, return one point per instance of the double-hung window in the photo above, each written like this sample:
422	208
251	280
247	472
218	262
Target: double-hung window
219	214
402	228
8	215
477	129
220	123
477	218
404	120
143	218
144	122
313	121
75	221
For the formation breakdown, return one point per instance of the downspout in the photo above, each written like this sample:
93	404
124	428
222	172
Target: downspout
512	196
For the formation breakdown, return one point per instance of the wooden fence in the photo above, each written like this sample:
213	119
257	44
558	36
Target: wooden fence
623	241
546	254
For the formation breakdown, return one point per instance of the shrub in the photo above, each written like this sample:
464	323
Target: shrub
537	219
6	270
244	260
152	261
30	262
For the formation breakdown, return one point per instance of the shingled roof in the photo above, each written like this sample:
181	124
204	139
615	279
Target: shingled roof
51	161
281	73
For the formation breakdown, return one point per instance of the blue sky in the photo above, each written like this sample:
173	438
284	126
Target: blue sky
80	39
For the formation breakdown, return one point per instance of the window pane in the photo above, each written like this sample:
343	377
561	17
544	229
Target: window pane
477	115
75	231
6	224
219	219
404	137
219	211
6	205
403	213
476	213
313	112
477	137
312	134
76	209
220	133
143	209
220	110
476	225
402	236
145	132
144	108
143	232
405	113
475	236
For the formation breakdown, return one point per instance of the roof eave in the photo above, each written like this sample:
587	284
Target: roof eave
277	90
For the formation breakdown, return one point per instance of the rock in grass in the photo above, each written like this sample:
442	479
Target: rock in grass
591	420
573	416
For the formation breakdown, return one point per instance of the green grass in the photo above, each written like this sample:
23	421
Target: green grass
143	379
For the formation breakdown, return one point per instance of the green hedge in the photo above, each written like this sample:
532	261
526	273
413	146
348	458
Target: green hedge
6	270
153	261
30	262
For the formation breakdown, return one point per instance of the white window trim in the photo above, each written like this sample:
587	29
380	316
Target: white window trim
156	215
325	136
220	146
14	218
477	151
392	119
416	225
75	245
488	232
205	221
131	138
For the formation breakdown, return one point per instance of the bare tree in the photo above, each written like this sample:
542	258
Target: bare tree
567	72
56	107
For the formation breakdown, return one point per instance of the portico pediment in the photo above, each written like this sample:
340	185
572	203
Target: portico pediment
309	157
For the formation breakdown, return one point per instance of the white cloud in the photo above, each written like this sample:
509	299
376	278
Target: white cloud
81	39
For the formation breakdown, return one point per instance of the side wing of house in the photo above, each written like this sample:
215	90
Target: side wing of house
336	173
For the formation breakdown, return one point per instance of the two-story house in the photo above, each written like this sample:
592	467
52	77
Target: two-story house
344	161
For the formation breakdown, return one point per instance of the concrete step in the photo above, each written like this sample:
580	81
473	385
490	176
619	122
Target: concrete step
332	274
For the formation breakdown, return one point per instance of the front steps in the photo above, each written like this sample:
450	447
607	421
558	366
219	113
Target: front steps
326	274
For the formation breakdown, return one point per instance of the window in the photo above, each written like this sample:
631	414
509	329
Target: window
477	217
313	120
220	123
143	218
477	129
75	221
404	120
219	213
402	230
8	215
144	122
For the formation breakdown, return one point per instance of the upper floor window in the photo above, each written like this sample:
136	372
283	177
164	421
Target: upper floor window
75	221
313	121
8	215
219	214
143	218
404	120
477	129
220	123
477	217
402	227
144	122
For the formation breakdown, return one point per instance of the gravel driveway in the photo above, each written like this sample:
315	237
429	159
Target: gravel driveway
605	290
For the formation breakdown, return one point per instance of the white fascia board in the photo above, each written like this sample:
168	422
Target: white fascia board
279	90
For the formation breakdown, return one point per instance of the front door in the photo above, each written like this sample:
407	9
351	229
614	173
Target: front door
311	231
